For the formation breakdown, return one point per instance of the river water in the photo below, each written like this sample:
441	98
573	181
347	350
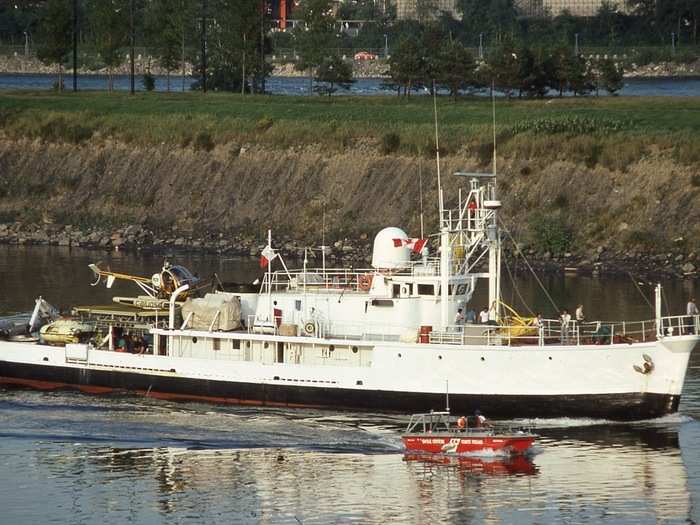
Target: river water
666	87
67	457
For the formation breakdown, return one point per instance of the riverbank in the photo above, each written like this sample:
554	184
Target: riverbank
355	252
587	185
379	68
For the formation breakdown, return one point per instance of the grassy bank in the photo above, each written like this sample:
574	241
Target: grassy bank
578	175
391	124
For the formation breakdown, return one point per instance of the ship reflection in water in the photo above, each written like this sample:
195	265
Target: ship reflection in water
83	459
477	465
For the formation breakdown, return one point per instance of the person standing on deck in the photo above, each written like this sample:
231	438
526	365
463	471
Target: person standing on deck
459	320
692	310
484	316
579	314
565	320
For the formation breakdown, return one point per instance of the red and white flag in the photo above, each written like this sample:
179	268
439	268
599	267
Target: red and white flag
416	245
267	255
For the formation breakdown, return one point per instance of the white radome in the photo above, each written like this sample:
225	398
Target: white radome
387	256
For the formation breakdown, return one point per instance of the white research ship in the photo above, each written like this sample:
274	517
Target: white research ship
380	339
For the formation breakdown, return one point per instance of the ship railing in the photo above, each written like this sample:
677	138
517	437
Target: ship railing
553	331
550	332
436	422
346	279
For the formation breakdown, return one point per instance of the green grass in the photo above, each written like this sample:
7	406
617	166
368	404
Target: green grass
284	121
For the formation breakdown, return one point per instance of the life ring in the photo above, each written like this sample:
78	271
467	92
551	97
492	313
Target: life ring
364	282
461	422
461	289
310	328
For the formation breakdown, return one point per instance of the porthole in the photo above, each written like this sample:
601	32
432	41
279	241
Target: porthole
439	357
247	344
483	358
550	357
399	355
354	349
194	340
331	348
266	345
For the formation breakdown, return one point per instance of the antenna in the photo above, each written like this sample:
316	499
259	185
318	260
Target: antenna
493	110
323	243
437	153
420	192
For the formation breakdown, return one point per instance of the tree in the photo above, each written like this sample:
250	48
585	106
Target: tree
532	72
334	71
503	68
234	47
315	36
610	76
454	67
494	17
57	35
109	22
407	64
164	33
579	76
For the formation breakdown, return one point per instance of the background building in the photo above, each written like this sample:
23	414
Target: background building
416	9
556	7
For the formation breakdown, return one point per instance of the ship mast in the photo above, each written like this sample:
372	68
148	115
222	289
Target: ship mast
444	232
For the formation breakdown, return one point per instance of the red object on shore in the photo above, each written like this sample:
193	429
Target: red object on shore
433	433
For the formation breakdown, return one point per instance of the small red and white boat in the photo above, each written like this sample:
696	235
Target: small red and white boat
435	433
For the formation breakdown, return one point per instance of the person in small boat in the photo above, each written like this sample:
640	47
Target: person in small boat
461	423
480	420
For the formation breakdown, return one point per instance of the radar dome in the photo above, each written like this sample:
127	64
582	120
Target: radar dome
386	254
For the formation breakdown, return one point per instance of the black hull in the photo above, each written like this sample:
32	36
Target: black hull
628	406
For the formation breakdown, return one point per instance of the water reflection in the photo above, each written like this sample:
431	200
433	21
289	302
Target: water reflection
579	475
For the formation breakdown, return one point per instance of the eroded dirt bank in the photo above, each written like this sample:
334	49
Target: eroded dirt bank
561	213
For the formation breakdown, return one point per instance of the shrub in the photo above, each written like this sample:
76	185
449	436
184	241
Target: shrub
58	130
695	181
550	234
390	143
641	238
619	156
686	153
149	82
525	171
203	141
574	125
263	124
561	201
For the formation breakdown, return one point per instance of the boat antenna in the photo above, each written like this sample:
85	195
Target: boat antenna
437	153
420	192
323	242
493	112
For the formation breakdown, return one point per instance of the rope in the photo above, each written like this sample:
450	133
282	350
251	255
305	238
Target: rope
640	291
516	290
519	251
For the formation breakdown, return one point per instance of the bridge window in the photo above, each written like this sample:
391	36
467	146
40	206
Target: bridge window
426	289
235	344
382	302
